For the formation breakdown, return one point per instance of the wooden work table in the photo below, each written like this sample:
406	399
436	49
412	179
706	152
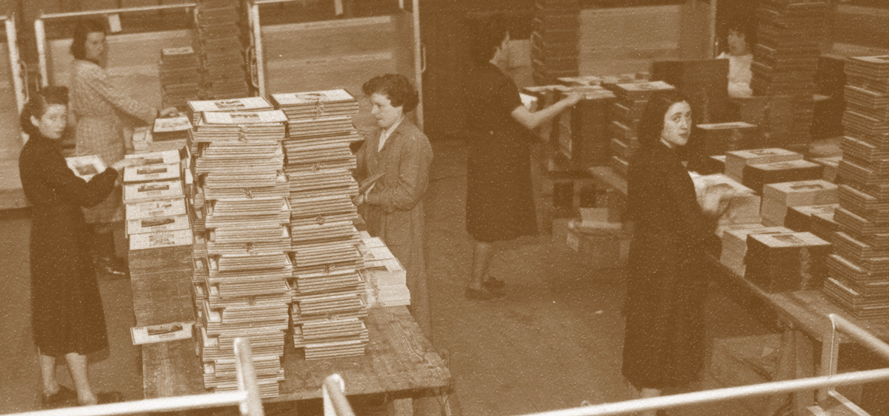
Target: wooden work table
398	361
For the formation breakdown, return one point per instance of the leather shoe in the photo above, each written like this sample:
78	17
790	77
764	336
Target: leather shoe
59	398
492	283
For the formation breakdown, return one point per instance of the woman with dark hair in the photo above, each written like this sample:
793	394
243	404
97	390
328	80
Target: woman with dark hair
393	206
664	334
66	309
740	59
97	106
499	194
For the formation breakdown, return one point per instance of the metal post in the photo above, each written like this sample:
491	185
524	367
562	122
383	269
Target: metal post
40	35
333	392
257	46
252	404
419	58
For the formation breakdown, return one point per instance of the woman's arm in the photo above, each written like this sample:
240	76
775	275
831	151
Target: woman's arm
56	173
413	175
97	82
533	120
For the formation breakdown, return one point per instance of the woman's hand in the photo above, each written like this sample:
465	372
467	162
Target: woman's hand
169	112
573	98
123	163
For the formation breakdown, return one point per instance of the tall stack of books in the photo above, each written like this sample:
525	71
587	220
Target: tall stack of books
626	113
583	130
786	58
328	308
180	76
556	31
221	49
860	266
242	216
160	239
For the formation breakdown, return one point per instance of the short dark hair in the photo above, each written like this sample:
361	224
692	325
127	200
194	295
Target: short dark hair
487	33
743	27
396	87
652	123
84	28
38	105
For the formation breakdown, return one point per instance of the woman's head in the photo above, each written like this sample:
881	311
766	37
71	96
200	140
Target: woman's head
46	113
738	39
89	41
667	116
391	95
488	33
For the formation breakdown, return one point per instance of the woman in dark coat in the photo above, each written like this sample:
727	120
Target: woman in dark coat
664	333
499	194
66	308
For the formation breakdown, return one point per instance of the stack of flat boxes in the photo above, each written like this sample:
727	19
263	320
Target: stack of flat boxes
786	59
221	49
180	76
860	266
328	309
554	49
583	130
626	113
778	197
242	244
160	239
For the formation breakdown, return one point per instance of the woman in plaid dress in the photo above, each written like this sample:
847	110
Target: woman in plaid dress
99	108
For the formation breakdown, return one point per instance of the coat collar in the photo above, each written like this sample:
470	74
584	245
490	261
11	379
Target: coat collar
399	130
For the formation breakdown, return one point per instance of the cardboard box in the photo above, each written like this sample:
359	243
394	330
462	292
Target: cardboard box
598	250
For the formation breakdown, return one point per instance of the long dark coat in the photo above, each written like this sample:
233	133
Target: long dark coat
66	309
499	193
664	335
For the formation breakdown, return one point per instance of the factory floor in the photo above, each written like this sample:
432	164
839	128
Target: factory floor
554	342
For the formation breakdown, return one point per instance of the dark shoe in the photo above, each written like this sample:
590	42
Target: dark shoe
58	399
492	283
483	294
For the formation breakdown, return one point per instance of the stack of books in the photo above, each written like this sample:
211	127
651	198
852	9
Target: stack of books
160	239
221	49
384	276
328	307
718	138
626	113
180	76
860	266
734	245
583	130
737	161
239	104
242	264
786	262
778	197
554	40
786	57
816	219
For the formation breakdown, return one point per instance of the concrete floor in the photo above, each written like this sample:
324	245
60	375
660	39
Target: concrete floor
553	343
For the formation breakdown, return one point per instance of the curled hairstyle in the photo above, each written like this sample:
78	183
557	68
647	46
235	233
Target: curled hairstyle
395	87
652	123
39	103
84	28
487	33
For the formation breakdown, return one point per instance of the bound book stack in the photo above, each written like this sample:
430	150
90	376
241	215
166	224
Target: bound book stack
778	197
240	203
160	239
554	39
241	104
383	274
816	219
786	262
719	138
221	49
734	245
583	130
736	161
626	113
328	306
580	81
180	76
756	176
786	57
860	267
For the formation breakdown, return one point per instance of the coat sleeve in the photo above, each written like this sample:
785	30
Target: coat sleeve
122	102
413	175
691	220
58	176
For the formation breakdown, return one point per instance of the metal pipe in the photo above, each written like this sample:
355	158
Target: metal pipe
40	35
865	338
147	406
709	396
117	11
15	62
252	404
258	52
419	58
335	402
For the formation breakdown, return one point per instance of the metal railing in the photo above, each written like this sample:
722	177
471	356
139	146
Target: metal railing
335	402
825	384
247	397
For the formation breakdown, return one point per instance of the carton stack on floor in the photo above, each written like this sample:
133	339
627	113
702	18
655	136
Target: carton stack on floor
160	239
242	253
328	309
626	113
180	76
554	49
860	264
786	58
221	49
